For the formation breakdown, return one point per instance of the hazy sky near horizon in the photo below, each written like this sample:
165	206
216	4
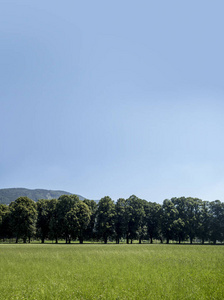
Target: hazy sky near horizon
113	97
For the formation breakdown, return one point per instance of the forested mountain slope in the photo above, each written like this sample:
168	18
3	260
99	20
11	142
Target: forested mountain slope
11	194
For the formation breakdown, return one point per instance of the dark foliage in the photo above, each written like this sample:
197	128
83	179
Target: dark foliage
69	218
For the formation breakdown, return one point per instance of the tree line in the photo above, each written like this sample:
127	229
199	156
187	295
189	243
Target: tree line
177	219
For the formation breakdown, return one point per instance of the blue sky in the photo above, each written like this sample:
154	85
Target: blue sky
113	98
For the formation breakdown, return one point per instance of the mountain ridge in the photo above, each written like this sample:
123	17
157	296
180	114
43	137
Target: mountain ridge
7	195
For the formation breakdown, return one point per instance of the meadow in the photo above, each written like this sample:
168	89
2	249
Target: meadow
97	271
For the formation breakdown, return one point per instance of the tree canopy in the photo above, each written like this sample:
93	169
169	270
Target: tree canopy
177	219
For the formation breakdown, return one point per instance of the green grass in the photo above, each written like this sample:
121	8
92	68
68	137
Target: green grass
111	271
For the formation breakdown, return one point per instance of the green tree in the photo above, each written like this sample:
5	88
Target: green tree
179	230
193	214
169	214
23	218
4	221
142	232
78	219
153	213
205	221
217	221
54	225
89	233
64	205
105	217
180	224
134	218
120	222
43	219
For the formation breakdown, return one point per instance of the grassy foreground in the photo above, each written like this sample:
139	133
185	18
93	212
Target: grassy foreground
98	271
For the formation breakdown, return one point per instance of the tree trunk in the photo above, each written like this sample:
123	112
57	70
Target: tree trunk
167	240
42	240
24	240
127	239
17	240
140	241
80	240
191	240
105	240
151	241
56	240
131	241
179	240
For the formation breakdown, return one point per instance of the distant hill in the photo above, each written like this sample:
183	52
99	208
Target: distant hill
11	194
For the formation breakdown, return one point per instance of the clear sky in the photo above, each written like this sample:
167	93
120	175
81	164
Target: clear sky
113	97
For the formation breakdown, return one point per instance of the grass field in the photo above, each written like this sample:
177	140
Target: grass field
95	271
